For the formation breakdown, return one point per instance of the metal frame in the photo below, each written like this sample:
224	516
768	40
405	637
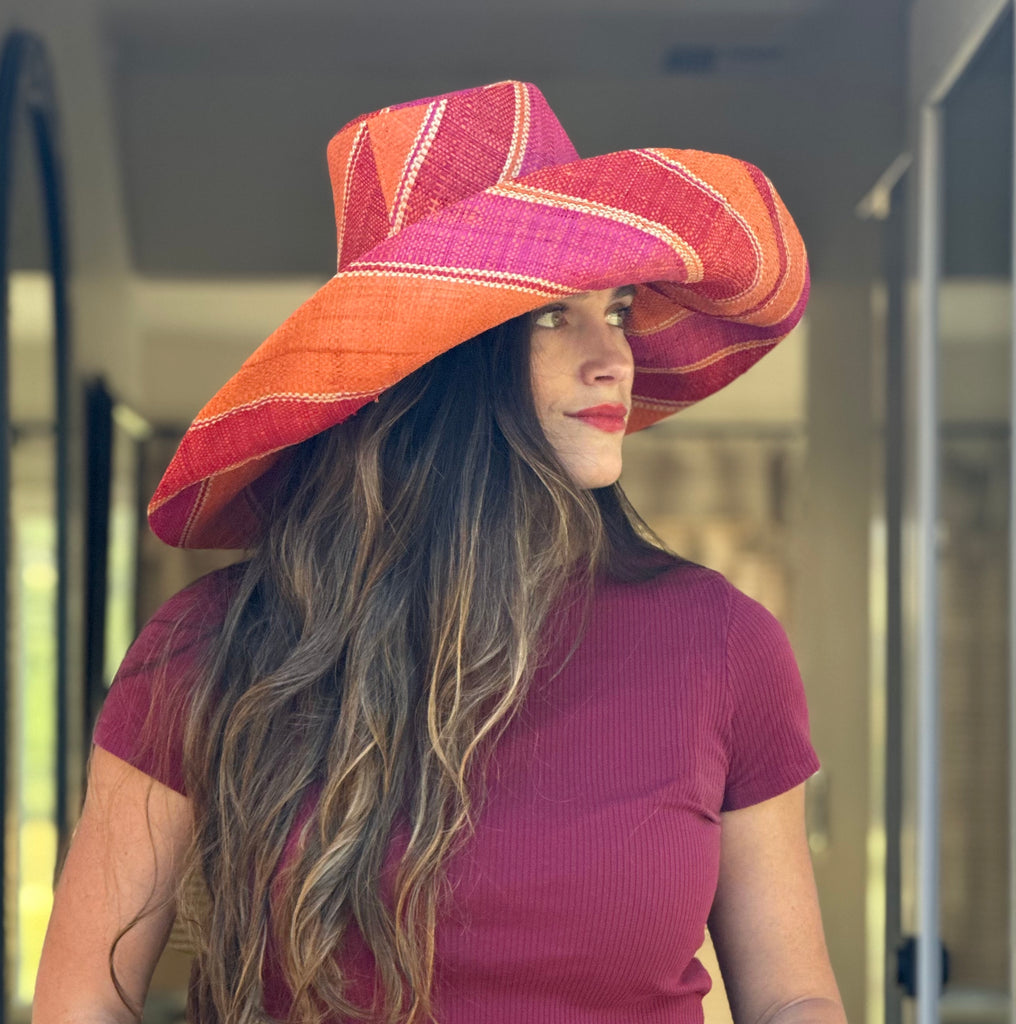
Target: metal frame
926	486
894	249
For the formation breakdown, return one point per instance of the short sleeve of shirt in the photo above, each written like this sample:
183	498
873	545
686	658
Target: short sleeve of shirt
768	746
142	719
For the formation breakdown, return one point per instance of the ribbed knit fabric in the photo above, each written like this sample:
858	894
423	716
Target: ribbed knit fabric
583	896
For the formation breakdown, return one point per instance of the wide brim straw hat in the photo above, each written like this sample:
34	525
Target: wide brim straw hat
457	213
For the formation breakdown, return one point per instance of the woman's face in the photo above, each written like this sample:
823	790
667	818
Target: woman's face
582	369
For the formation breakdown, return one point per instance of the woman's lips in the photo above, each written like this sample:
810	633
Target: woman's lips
610	418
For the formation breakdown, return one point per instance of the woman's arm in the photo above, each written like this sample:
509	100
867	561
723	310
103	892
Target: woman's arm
765	920
127	854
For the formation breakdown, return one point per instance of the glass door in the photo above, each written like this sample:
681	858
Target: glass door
36	739
974	482
956	894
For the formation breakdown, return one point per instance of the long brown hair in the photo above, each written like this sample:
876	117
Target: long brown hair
381	636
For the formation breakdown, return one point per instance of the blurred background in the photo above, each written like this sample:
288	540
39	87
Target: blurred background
166	205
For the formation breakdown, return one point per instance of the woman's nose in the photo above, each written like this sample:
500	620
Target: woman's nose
608	355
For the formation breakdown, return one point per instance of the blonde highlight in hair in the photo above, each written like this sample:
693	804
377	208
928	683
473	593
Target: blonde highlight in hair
381	637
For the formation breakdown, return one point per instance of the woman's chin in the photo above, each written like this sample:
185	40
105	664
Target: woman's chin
600	474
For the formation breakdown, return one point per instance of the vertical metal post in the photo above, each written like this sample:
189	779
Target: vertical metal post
894	249
929	962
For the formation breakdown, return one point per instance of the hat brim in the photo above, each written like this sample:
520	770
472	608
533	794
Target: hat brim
721	277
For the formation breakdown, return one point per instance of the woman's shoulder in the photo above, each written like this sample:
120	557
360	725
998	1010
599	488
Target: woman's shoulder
694	599
681	581
208	595
185	622
142	718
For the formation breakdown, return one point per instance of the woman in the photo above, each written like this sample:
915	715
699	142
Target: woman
459	741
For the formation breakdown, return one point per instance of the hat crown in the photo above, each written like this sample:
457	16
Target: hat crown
404	163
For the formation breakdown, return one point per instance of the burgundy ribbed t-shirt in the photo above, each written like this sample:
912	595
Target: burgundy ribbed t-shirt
583	895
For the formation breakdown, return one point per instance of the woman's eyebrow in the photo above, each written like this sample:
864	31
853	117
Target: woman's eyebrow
618	293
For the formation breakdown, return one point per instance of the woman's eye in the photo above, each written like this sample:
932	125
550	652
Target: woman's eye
557	317
548	318
619	317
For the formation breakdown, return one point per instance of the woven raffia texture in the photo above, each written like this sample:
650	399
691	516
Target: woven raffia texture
459	212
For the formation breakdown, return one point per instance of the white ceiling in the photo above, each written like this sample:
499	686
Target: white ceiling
198	9
224	107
